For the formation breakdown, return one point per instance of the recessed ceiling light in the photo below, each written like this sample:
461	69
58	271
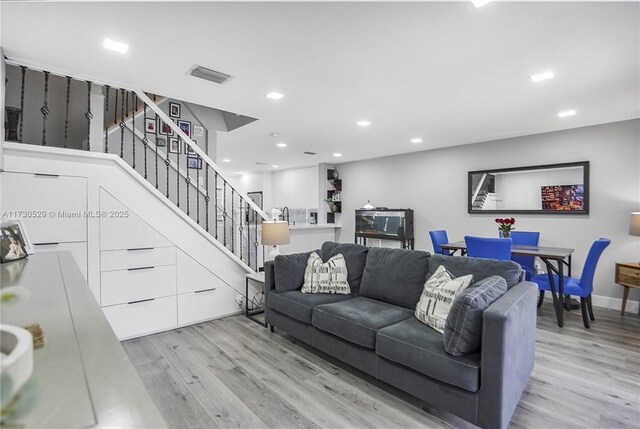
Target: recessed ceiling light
542	76
274	95
275	166
416	140
566	113
363	123
112	45
281	144
480	3
337	155
226	160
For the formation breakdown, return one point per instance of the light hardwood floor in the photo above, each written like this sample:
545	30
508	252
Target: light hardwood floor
234	373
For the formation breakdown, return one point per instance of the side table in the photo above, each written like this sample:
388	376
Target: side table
257	278
627	276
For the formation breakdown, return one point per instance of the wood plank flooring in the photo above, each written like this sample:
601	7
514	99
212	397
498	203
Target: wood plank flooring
234	373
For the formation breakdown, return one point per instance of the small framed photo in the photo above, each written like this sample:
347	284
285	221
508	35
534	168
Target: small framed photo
150	125
189	151
194	163
185	126
16	227
174	145
174	110
11	248
164	128
161	142
198	131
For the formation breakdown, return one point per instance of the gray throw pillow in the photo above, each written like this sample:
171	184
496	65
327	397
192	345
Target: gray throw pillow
463	328
480	268
289	271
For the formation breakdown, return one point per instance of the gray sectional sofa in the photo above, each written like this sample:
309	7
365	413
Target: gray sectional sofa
374	329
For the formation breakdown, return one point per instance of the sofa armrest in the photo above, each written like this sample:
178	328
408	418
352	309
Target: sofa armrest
269	280
508	353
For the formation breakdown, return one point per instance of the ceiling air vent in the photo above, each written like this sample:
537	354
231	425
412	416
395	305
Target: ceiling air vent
309	153
210	75
261	163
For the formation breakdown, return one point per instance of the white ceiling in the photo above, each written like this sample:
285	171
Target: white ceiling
446	72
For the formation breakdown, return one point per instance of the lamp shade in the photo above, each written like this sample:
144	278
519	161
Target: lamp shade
634	226
275	233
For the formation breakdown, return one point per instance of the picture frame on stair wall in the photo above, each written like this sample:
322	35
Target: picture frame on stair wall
194	162
189	150
175	110
164	128
150	125
161	142
174	145
185	126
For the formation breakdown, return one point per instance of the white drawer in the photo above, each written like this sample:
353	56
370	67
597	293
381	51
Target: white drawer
134	284
78	250
63	199
140	318
137	257
193	276
206	304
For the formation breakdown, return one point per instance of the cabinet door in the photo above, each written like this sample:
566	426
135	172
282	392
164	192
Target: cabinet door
128	232
141	318
78	250
135	284
54	206
207	304
192	276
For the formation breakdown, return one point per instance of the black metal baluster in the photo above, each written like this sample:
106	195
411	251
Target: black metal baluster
24	71
106	115
188	182
207	199
255	243
224	211
178	172
122	123
167	161
115	109
248	235
198	190
215	206
233	226
45	108
133	127
155	136
145	141
66	113
88	115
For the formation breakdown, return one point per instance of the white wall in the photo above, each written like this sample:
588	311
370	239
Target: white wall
250	182
434	184
295	188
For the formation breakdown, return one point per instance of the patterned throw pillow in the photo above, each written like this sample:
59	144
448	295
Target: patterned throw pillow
437	297
330	277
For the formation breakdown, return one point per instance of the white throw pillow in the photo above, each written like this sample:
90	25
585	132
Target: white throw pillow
330	277
437	297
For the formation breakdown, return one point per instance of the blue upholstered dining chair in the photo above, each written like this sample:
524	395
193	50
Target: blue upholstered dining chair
490	248
439	237
527	263
582	287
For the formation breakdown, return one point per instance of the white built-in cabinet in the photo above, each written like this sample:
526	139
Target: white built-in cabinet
53	210
149	285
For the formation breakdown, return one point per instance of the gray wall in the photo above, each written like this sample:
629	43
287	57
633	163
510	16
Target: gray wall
434	184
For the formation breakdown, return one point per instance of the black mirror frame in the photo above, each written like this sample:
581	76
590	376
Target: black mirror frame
583	164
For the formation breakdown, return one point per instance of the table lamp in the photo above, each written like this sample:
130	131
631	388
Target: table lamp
634	225
274	233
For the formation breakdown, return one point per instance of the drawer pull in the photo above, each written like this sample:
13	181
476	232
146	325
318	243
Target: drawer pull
55	176
139	248
205	290
140	268
142	300
46	244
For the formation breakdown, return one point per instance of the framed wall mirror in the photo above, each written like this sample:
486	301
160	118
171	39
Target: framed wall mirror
540	189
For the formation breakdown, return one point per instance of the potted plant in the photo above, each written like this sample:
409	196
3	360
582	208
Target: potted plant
505	226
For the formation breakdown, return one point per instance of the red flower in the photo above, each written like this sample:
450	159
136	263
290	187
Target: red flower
512	221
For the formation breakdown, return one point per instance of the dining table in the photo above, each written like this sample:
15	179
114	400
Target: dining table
554	258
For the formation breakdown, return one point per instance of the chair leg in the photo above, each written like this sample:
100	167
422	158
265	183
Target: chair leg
567	302
541	299
271	327
584	311
590	308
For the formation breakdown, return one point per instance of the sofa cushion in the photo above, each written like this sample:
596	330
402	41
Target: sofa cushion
298	305
395	276
289	271
463	328
328	277
355	255
358	319
415	345
438	296
480	268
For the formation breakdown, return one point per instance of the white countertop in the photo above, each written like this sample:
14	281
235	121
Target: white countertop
314	226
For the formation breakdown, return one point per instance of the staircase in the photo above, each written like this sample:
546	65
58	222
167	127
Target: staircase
172	163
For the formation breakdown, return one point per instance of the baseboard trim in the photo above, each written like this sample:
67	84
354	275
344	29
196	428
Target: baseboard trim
614	303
